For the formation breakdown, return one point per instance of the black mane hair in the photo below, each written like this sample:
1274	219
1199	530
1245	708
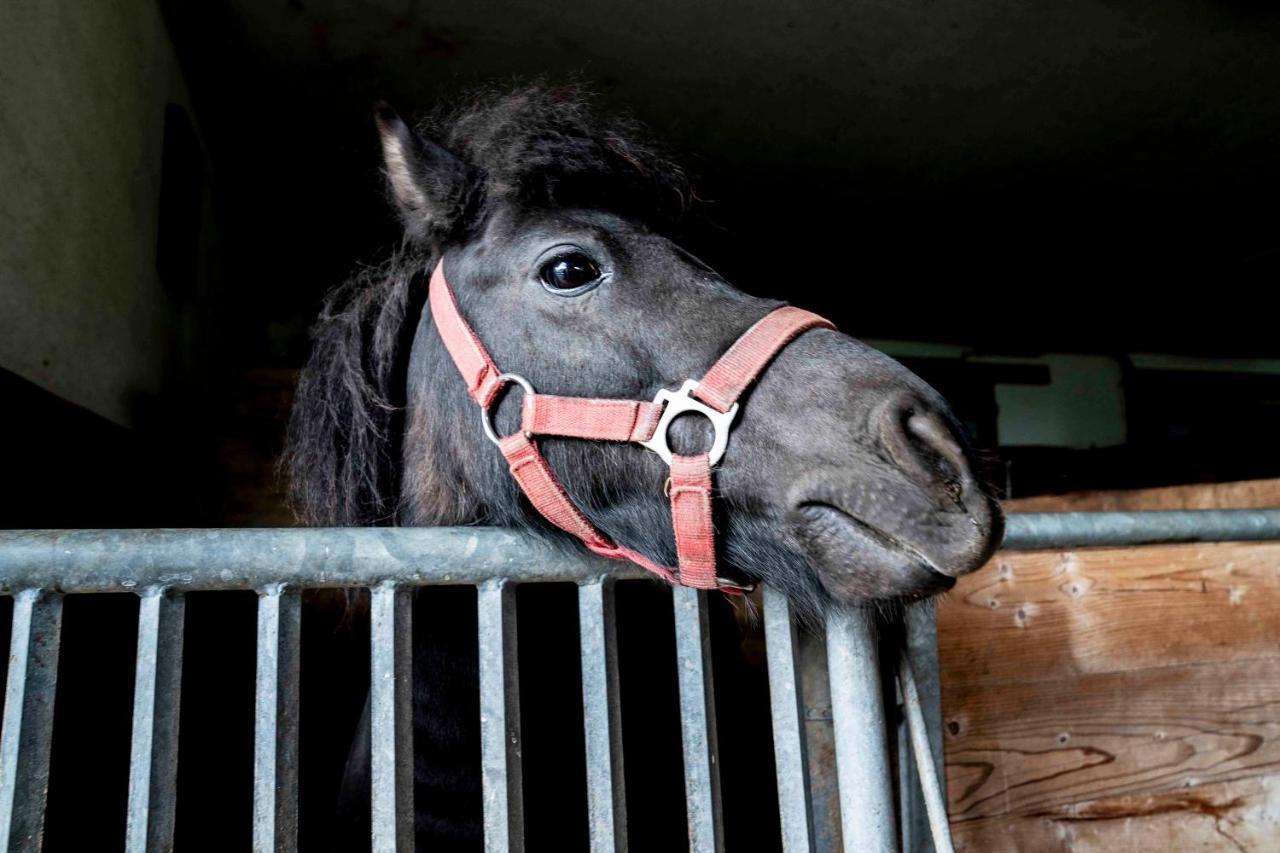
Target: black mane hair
536	146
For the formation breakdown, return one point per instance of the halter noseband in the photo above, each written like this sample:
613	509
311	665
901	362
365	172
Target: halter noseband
715	396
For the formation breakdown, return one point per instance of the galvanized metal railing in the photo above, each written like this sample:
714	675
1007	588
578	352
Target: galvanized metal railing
38	567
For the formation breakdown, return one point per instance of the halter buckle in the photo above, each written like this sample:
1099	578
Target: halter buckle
679	402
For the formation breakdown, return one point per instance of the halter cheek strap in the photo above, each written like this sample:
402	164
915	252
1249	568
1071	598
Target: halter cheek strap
689	487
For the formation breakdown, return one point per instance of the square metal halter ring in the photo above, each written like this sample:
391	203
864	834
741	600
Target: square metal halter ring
679	402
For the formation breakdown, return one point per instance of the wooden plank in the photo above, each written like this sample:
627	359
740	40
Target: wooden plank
1114	699
1238	815
1023	749
1245	494
1044	615
1117	699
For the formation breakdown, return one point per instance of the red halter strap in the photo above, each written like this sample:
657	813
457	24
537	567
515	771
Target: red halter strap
690	484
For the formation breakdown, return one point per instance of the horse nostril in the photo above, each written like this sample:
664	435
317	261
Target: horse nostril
936	437
921	440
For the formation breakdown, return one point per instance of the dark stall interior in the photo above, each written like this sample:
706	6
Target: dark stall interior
1002	188
1063	218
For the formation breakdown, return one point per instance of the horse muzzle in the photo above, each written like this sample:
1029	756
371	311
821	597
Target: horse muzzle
903	522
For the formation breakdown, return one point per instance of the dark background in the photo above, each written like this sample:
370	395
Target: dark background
999	175
1009	179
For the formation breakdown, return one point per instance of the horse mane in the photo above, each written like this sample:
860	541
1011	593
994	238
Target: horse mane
537	146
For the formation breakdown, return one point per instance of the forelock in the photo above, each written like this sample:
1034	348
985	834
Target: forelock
550	146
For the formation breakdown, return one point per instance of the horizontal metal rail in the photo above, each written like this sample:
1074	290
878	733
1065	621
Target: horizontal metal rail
37	567
257	558
1037	531
254	558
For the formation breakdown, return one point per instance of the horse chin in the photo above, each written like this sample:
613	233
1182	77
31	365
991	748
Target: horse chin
857	562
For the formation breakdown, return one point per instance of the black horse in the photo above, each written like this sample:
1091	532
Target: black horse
848	480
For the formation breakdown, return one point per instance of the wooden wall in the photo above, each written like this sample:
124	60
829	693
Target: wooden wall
1241	495
1117	699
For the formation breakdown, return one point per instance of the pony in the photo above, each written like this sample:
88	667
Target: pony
848	481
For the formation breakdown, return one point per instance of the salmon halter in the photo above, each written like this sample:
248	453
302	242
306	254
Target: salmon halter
715	397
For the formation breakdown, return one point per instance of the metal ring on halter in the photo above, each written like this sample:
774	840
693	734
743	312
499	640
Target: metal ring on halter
679	402
486	415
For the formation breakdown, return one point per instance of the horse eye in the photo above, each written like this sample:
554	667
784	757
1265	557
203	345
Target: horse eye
569	274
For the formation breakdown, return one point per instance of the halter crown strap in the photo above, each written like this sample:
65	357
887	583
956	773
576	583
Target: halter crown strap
690	484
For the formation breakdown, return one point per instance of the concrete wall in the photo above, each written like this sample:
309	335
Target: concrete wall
83	89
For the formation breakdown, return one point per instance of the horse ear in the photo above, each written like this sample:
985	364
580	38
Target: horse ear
428	183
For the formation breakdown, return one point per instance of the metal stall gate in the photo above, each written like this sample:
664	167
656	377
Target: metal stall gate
38	567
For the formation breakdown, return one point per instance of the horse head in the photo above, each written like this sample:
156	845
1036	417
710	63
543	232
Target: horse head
847	479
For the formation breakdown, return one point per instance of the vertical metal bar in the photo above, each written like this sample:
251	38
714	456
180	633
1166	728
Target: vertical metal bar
819	742
913	820
922	647
921	634
788	731
275	733
602	718
862	755
930	784
500	763
28	717
698	721
153	751
391	718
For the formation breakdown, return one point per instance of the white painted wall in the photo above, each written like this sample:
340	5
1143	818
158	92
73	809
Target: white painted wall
1081	407
83	88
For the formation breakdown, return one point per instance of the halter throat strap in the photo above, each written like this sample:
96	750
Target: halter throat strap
690	484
